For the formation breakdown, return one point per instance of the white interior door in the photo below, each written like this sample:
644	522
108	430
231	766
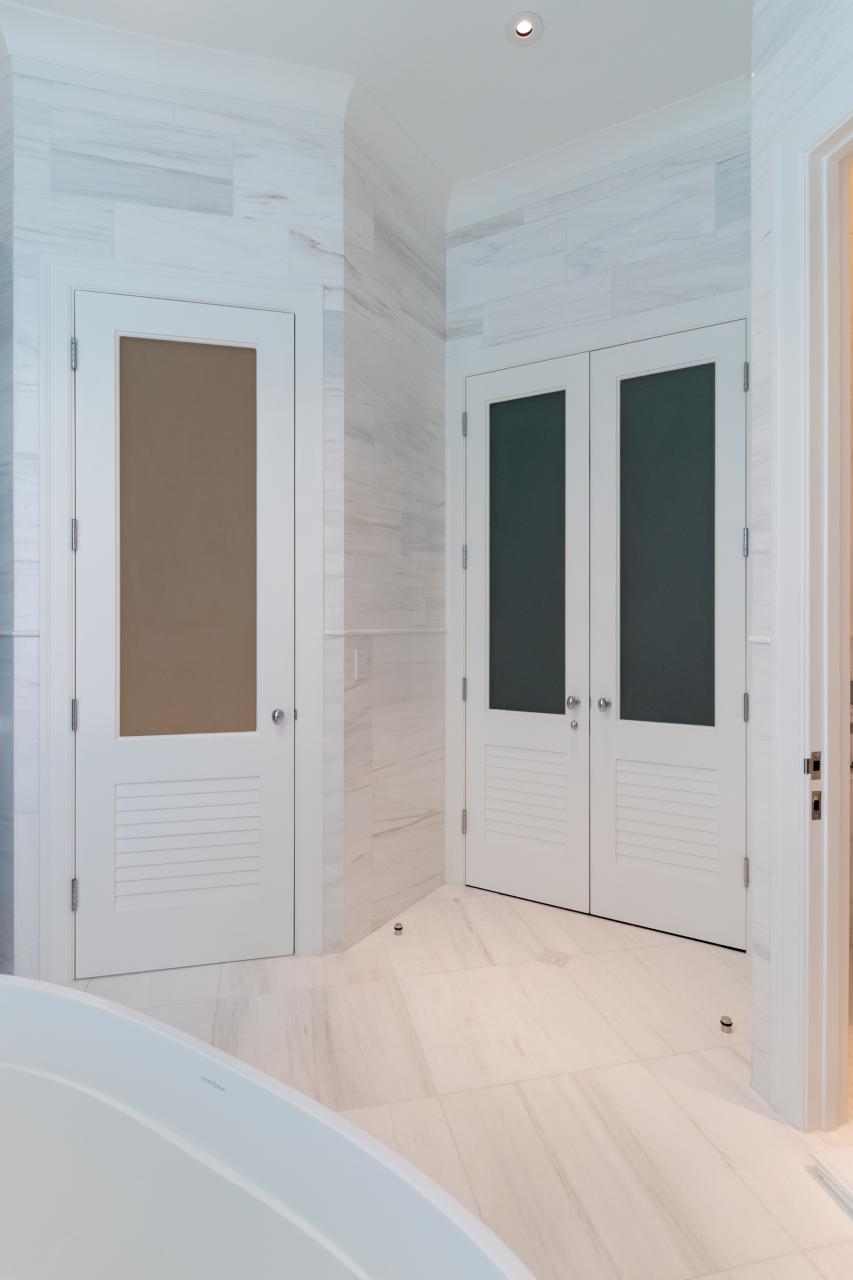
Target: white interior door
527	629
184	633
668	673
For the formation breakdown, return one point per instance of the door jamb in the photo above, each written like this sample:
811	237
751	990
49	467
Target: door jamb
60	278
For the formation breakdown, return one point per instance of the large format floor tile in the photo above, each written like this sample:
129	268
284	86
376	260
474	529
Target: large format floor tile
461	933
600	1174
773	1159
493	1026
420	1132
668	999
348	1046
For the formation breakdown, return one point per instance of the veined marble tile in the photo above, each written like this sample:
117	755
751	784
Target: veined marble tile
365	961
704	269
732	202
774	1160
50	223
586	295
348	1046
120	101
201	242
834	1262
100	178
161	988
195	1019
419	1131
792	1267
571	932
667	999
496	1025
443	934
599	1174
506	262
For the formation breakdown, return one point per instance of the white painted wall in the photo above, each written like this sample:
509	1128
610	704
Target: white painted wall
155	166
6	531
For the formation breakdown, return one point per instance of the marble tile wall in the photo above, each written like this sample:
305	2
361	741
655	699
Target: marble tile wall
6	540
392	535
668	227
138	174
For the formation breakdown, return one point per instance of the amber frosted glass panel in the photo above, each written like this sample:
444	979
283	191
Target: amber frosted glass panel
527	554
187	538
666	473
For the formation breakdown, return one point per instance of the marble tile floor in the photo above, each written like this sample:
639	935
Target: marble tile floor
564	1077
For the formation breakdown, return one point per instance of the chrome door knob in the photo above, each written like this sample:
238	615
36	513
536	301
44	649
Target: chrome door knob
604	704
277	716
572	702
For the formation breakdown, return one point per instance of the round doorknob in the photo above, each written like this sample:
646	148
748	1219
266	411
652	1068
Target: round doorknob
604	704
572	701
277	716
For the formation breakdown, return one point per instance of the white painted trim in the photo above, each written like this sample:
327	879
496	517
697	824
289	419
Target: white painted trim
606	333
547	171
810	877
59	280
59	43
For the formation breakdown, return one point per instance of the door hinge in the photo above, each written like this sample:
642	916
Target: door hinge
464	822
465	556
746	873
75	894
746	708
74	714
73	353
464	424
746	375
464	688
75	530
746	542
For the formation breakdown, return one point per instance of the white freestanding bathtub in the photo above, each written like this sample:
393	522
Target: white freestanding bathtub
128	1150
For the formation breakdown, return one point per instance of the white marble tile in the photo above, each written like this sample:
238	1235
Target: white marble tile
832	1263
443	934
709	267
571	932
419	1131
514	1022
599	1174
366	961
668	999
201	242
792	1267
506	261
161	988
195	1019
775	1161
585	296
348	1046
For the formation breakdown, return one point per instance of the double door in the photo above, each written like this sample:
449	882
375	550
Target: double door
605	633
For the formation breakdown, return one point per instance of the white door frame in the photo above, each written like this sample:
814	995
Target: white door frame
810	876
603	333
60	278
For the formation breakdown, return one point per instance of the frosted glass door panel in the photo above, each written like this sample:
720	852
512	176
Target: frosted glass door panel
666	534
527	554
187	537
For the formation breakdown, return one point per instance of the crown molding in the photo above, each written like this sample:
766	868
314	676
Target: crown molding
548	171
43	43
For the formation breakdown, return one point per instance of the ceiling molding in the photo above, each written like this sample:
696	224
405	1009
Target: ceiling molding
35	39
548	171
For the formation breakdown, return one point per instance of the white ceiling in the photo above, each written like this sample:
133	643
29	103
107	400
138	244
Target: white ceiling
446	71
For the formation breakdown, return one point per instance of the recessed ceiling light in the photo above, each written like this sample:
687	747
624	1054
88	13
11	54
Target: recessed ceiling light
524	28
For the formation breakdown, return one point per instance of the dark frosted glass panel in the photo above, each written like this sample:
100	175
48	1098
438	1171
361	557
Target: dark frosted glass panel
527	556
667	546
